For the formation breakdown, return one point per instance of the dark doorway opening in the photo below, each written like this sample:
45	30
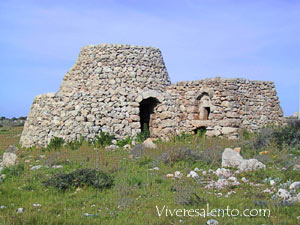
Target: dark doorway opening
200	131
206	113
146	109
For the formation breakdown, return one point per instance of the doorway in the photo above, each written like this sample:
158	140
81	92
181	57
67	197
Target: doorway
146	109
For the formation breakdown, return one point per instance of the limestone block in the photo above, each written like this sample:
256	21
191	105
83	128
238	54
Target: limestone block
212	133
231	158
229	130
9	159
232	114
201	123
165	115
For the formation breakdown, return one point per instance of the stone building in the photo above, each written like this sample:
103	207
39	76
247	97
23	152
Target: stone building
119	88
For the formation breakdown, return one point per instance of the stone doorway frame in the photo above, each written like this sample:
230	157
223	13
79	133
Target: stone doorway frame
156	97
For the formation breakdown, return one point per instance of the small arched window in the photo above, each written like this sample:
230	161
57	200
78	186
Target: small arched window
204	106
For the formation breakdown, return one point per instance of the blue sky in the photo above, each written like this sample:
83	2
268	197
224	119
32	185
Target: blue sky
253	39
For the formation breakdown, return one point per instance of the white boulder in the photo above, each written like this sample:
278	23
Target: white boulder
272	182
295	185
20	210
223	173
111	147
9	159
148	143
231	158
178	175
193	174
250	165
36	167
283	194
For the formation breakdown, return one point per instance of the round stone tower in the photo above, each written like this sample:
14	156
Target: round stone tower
113	66
107	89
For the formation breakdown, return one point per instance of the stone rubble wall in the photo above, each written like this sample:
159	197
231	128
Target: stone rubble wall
105	87
235	104
102	91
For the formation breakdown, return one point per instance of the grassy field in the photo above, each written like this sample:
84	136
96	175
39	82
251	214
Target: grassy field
9	136
138	191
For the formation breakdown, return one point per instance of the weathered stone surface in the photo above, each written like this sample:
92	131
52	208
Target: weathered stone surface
9	159
201	123
212	222
231	158
193	174
148	143
223	173
111	147
36	167
222	183
212	133
178	175
229	130
251	165
106	87
284	194
295	185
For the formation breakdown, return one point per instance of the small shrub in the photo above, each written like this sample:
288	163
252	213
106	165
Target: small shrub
55	144
186	195
291	174
135	181
14	171
246	134
141	137
137	151
126	141
200	132
287	160
181	154
282	136
75	145
103	139
265	159
183	137
125	195
184	154
264	138
288	135
79	178
144	160
212	157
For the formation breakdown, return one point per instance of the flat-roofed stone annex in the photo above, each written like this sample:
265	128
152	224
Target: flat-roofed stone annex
123	89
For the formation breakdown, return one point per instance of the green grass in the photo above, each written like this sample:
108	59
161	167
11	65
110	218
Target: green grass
137	190
9	136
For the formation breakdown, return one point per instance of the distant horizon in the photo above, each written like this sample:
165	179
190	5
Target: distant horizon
255	40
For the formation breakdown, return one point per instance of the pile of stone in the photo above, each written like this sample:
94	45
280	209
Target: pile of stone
290	196
232	158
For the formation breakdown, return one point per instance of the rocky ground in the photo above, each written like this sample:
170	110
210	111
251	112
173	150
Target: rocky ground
153	182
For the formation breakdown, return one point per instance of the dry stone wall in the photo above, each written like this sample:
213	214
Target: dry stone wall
232	104
117	88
